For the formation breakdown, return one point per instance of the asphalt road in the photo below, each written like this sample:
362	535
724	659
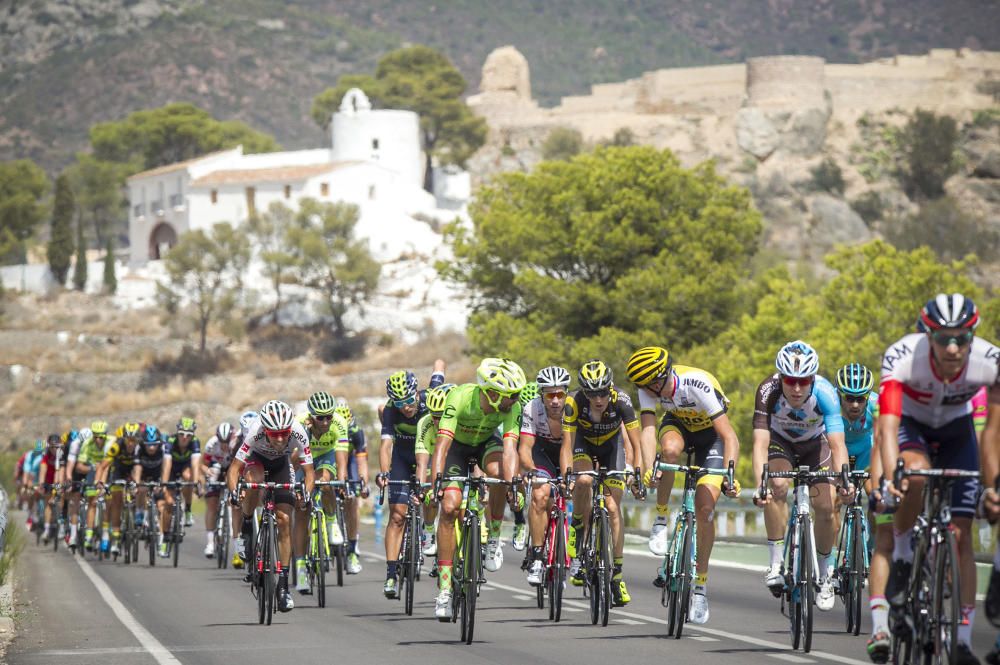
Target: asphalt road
103	613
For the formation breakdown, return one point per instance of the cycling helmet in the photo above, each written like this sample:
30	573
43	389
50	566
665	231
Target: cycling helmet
954	311
151	436
528	393
553	377
648	364
320	404
131	430
99	428
446	387
435	400
501	375
276	416
224	432
85	435
344	410
54	440
39	446
247	419
401	386
797	359
855	380
595	376
186	425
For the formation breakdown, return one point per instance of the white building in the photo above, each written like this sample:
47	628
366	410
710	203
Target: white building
375	161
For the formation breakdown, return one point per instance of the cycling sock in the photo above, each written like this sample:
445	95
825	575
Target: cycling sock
617	568
300	563
352	546
825	570
246	529
390	569
495	528
209	537
880	615
72	532
662	511
902	547
536	553
701	583
965	624
777	549
444	574
283	579
519	516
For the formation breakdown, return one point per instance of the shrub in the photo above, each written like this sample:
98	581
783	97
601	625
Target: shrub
946	230
563	143
827	177
869	205
929	143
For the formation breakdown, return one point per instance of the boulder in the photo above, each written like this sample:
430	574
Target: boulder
756	133
805	132
988	166
833	222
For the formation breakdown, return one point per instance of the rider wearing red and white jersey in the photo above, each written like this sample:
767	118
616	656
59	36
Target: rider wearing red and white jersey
925	418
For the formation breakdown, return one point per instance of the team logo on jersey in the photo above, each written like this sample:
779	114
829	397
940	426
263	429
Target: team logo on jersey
894	355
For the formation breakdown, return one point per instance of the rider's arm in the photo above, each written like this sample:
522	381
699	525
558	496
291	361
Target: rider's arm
647	437
168	464
524	445
890	409
385	450
234	473
761	441
990	448
730	442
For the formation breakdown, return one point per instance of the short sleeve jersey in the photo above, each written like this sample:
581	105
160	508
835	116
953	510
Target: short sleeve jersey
256	441
426	435
147	461
858	434
463	418
216	453
183	456
697	399
577	416
911	387
535	422
335	438
818	415
399	428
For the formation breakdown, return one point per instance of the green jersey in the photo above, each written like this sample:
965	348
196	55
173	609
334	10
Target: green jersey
426	435
335	438
465	422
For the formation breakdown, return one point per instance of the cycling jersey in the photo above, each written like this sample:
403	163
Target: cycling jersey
577	415
256	443
911	387
53	462
182	458
545	451
400	428
858	434
356	438
426	435
818	415
463	418
151	462
697	399
115	452
216	453
335	438
87	452
980	403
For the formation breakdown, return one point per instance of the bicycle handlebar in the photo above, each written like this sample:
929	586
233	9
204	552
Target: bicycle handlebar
946	474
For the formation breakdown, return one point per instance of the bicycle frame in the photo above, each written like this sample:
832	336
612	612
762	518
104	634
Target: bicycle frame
410	555
851	573
554	547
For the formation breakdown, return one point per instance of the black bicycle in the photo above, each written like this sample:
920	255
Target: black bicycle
410	557
150	530
175	534
927	631
853	555
222	531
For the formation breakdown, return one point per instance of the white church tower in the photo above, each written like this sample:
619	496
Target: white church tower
389	138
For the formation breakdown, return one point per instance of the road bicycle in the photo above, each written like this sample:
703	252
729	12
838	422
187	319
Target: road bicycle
222	530
800	565
129	531
150	530
174	535
410	556
679	564
927	630
342	489
854	555
555	555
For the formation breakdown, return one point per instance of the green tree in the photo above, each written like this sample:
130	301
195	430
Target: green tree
110	280
928	145
23	187
423	80
99	193
332	260
271	232
614	248
562	143
80	268
173	133
60	248
946	229
201	270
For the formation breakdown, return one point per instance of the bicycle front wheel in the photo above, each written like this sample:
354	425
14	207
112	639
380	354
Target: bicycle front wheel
682	597
473	561
270	570
413	555
946	611
605	568
854	570
557	575
807	576
177	535
258	573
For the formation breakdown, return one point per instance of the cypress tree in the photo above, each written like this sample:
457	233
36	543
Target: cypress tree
80	269
60	249
110	281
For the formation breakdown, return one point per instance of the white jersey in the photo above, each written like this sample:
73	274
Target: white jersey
535	421
696	401
215	453
256	442
907	372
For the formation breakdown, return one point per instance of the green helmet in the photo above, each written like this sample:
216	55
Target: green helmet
435	400
321	404
528	393
186	425
343	409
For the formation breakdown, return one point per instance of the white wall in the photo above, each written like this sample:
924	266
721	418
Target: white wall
396	132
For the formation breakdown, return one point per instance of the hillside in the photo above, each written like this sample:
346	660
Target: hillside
66	65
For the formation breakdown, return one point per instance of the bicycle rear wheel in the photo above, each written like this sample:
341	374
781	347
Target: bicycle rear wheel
946	610
683	581
473	563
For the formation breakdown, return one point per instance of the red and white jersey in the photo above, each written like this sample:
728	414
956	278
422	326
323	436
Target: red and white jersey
910	386
217	453
256	442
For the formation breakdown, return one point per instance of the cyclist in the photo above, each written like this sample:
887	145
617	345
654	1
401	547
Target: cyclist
85	453
397	457
215	461
29	479
119	458
468	431
264	456
694	418
928	380
797	422
185	464
592	422
246	422
48	473
539	446
355	458
326	430
150	466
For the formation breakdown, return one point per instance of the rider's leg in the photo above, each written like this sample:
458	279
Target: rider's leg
450	505
538	513
498	493
187	475
394	534
776	512
825	504
705	498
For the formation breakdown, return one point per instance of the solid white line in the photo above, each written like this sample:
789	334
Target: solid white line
630	622
702	638
143	636
790	658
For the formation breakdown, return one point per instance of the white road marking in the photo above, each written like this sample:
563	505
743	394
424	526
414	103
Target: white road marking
702	638
790	658
630	622
143	636
520	596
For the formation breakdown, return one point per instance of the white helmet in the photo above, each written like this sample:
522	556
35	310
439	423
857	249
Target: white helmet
553	377
276	415
797	359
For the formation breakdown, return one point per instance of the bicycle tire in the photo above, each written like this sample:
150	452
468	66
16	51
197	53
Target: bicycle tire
857	575
126	536
55	535
226	535
176	536
319	565
134	537
809	582
457	579
413	552
794	592
473	562
605	568
153	531
591	588
559	568
684	578
946	611
271	570
257	577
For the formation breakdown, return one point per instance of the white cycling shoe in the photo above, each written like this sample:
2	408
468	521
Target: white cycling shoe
699	609
659	537
826	596
442	606
494	555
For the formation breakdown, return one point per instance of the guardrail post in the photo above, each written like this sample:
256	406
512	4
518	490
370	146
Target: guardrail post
741	523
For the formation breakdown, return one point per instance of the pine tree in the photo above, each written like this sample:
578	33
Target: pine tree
110	281
60	249
80	270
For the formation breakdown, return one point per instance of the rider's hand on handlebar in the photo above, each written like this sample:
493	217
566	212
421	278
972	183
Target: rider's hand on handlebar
381	479
759	500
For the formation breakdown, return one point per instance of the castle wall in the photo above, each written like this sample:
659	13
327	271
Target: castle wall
785	81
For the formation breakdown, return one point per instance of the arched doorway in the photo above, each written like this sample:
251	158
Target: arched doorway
161	240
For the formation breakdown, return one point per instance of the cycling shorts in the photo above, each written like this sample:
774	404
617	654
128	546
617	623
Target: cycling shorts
814	453
951	446
705	443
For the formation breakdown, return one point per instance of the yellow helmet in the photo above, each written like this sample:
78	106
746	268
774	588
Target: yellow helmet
99	428
435	400
647	365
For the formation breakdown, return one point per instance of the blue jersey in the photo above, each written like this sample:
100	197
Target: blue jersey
33	463
859	434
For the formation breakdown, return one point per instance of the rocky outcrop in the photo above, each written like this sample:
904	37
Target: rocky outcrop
833	222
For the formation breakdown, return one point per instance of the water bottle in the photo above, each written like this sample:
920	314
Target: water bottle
378	523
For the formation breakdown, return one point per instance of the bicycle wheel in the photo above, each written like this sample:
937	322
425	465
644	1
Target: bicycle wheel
591	586
856	576
153	532
558	572
177	534
946	611
412	540
793	563
808	583
605	568
684	569
127	536
470	584
318	564
134	537
227	531
270	570
257	573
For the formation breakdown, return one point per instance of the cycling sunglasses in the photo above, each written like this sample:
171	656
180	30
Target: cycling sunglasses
598	393
947	339
276	433
400	403
555	394
797	380
854	399
327	418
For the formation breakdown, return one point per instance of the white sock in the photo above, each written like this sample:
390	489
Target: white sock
826	570
72	532
777	549
209	538
880	615
902	548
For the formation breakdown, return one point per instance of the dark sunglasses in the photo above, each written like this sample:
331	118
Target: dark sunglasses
854	399
797	380
947	339
598	393
326	418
